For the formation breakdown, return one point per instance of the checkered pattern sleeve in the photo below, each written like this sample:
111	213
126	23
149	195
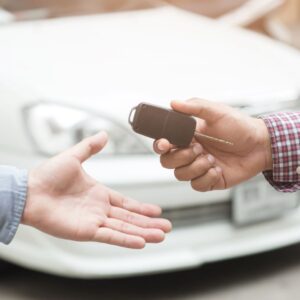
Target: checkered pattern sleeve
284	129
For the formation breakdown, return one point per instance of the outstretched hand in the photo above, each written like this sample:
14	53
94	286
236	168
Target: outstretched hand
64	201
211	165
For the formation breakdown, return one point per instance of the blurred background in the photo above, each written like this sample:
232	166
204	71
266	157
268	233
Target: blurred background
276	18
271	275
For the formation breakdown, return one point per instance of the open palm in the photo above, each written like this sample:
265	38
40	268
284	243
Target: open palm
64	201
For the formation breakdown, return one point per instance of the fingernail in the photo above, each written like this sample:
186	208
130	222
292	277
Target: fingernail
197	149
211	159
160	146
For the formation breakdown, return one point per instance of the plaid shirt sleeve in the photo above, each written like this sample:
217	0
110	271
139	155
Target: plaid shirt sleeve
284	129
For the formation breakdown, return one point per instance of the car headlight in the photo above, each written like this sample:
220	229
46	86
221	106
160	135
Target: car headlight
54	128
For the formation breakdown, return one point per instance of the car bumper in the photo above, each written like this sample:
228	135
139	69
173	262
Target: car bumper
184	248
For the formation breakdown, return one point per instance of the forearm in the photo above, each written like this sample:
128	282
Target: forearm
284	131
13	193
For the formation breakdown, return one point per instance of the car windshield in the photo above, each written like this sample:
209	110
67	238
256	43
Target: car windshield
40	9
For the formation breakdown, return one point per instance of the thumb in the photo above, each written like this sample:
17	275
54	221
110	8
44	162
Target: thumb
88	147
203	109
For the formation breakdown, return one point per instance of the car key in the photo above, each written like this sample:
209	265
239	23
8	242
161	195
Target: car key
157	122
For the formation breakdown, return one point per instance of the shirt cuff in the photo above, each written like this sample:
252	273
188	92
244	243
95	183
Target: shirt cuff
13	194
284	130
285	187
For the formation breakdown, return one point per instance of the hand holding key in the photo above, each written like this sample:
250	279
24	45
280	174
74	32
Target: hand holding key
209	164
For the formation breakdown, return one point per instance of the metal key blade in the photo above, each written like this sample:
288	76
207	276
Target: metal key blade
211	138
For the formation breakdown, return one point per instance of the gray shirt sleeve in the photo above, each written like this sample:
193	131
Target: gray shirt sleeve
13	194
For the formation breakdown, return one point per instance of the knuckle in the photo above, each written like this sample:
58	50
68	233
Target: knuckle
164	161
194	171
179	175
202	164
213	174
187	155
195	185
167	161
199	186
203	189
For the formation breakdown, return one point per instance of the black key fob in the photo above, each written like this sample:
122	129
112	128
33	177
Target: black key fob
156	122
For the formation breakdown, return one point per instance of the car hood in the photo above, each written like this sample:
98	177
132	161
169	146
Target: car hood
111	62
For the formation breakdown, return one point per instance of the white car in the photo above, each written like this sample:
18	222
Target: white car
63	79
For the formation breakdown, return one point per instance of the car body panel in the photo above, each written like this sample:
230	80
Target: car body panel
184	248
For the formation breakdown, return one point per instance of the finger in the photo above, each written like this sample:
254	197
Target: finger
139	220
149	235
88	147
196	169
181	157
203	109
117	199
206	182
162	146
113	237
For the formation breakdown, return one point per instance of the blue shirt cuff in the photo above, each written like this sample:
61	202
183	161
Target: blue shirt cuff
13	194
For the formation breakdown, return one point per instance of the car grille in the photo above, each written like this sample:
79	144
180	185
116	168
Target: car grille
195	215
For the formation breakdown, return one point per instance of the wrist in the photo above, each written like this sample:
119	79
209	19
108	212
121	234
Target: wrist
28	213
264	144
